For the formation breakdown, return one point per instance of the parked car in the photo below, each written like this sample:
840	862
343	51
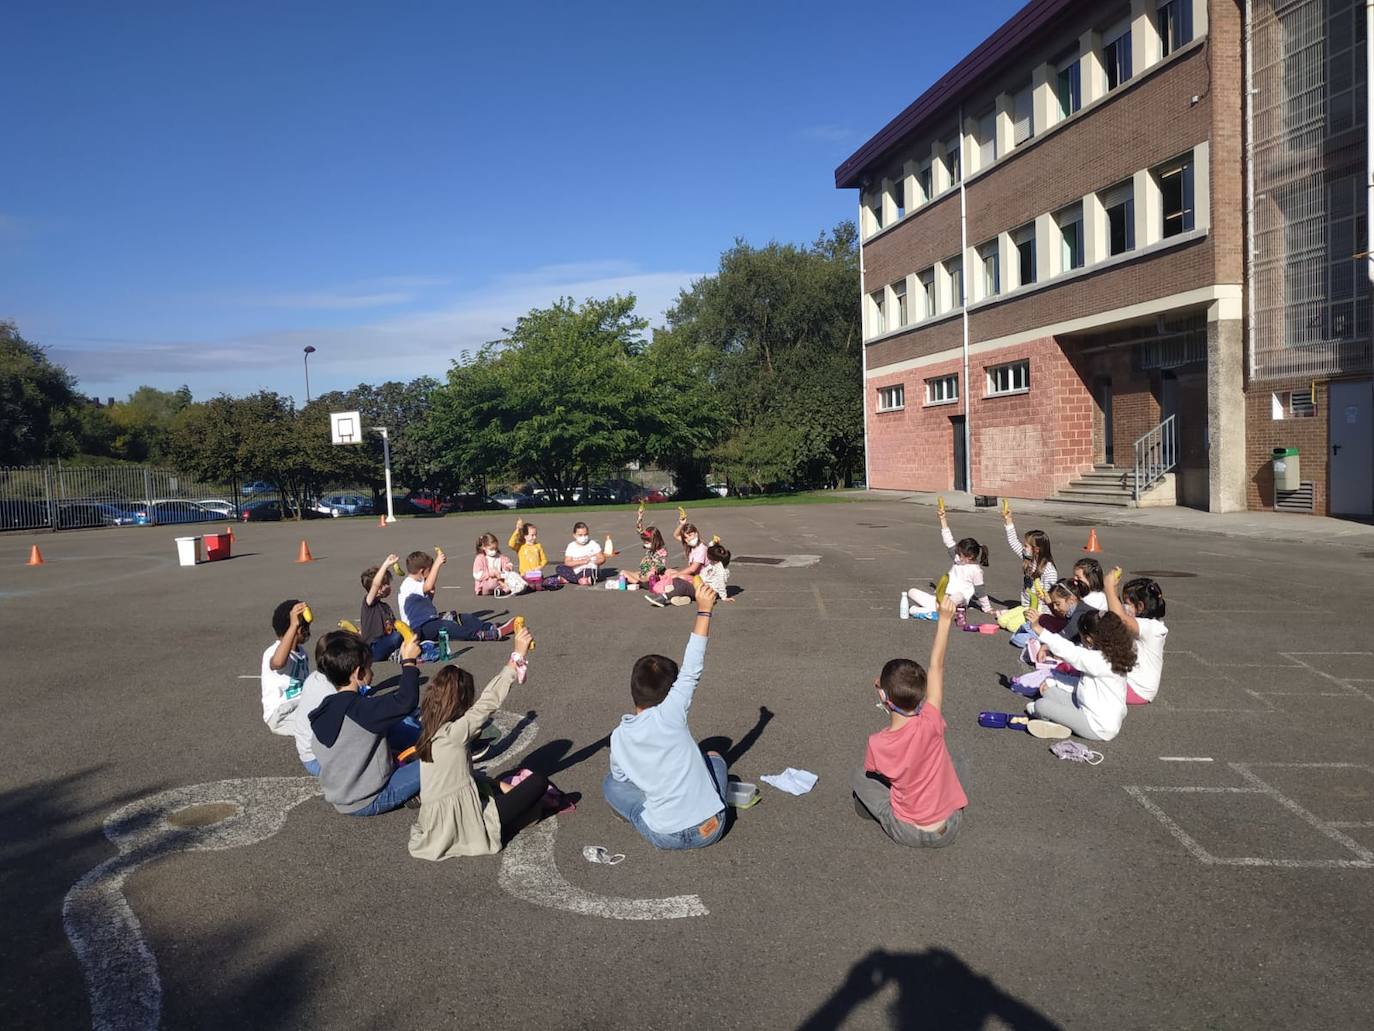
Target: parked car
650	497
258	487
428	501
513	499
164	512
472	502
720	490
16	514
74	514
264	510
224	508
344	505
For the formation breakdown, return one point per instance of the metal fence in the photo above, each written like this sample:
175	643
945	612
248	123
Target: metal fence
71	497
1312	297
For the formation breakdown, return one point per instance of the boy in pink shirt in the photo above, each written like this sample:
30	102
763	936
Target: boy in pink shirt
908	783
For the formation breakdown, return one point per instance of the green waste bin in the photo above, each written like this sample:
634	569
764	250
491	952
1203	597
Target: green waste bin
1286	473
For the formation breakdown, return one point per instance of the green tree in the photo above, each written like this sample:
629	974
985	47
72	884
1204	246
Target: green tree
781	324
144	420
38	403
552	401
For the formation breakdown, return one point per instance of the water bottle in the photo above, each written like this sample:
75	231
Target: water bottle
622	581
293	688
444	653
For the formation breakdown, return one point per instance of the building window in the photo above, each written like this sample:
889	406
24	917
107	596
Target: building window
1176	196
1012	378
1070	223
1119	203
879	323
952	164
927	281
1116	59
987	138
1294	404
1022	116
1023	240
875	212
1067	88
891	399
899	293
927	183
954	268
990	260
899	198
942	390
1175	21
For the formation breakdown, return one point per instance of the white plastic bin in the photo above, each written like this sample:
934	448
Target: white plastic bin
188	550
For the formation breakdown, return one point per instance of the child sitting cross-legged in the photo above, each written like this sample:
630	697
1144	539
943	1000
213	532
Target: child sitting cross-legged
358	775
908	783
659	780
964	581
492	572
460	815
377	622
582	558
1092	706
285	667
417	606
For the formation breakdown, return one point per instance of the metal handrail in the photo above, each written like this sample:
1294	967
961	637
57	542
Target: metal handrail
1155	454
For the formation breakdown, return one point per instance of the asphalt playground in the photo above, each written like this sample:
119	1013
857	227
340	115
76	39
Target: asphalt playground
165	861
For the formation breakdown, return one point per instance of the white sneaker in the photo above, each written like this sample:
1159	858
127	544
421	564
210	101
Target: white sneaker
1046	729
904	607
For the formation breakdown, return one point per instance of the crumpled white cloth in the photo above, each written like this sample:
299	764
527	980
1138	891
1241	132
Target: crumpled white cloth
791	780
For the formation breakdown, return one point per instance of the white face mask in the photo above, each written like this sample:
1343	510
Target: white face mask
491	553
693	541
648	545
582	538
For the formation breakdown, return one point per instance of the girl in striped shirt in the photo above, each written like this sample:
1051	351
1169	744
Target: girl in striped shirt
1037	560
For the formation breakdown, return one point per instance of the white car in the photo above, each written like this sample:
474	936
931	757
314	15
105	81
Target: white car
720	490
224	508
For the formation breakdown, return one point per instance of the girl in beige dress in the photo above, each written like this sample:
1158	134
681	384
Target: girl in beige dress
460	816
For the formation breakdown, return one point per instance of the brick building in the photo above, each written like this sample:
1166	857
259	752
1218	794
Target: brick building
1057	299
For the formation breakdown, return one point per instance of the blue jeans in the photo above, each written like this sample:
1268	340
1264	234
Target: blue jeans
401	788
468	628
627	800
312	767
383	646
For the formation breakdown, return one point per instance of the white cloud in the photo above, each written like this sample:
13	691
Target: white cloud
400	347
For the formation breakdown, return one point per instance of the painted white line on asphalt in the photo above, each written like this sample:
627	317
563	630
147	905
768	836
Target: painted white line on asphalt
529	872
250	676
1185	758
118	966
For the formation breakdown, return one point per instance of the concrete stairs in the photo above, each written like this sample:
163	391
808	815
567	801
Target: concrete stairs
1111	485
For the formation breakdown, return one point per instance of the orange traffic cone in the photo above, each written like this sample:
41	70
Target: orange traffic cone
304	555
229	529
1092	544
381	521
35	556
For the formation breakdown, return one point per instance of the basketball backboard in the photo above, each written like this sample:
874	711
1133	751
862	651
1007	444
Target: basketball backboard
346	427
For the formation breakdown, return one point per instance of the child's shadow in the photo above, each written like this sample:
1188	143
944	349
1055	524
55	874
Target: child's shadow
554	758
734	751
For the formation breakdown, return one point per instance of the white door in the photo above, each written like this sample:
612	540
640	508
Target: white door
1351	420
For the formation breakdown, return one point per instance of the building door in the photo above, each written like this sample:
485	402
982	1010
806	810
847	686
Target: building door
1350	480
1168	396
1104	404
960	453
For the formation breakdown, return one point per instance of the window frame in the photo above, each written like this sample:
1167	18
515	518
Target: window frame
903	311
1065	217
1015	370
1023	236
1116	56
954	270
993	245
896	392
1184	167
879	316
987	144
929	300
954	160
1174	18
1073	68
944	383
1122	196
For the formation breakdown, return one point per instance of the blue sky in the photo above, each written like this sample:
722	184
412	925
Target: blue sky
193	192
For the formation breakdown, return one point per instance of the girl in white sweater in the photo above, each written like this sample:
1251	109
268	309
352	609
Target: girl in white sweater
1140	605
1095	706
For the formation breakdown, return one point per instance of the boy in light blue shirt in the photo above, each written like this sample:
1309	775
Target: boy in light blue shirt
659	781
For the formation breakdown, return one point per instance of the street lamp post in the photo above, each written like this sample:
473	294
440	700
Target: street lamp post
309	350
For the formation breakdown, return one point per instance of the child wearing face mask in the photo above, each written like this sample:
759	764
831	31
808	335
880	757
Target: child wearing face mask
964	582
654	559
694	559
582	558
492	572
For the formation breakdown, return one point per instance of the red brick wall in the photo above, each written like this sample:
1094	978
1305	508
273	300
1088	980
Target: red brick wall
1263	433
1135	404
1023	445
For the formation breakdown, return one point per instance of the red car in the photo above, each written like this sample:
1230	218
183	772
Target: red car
649	497
428	501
